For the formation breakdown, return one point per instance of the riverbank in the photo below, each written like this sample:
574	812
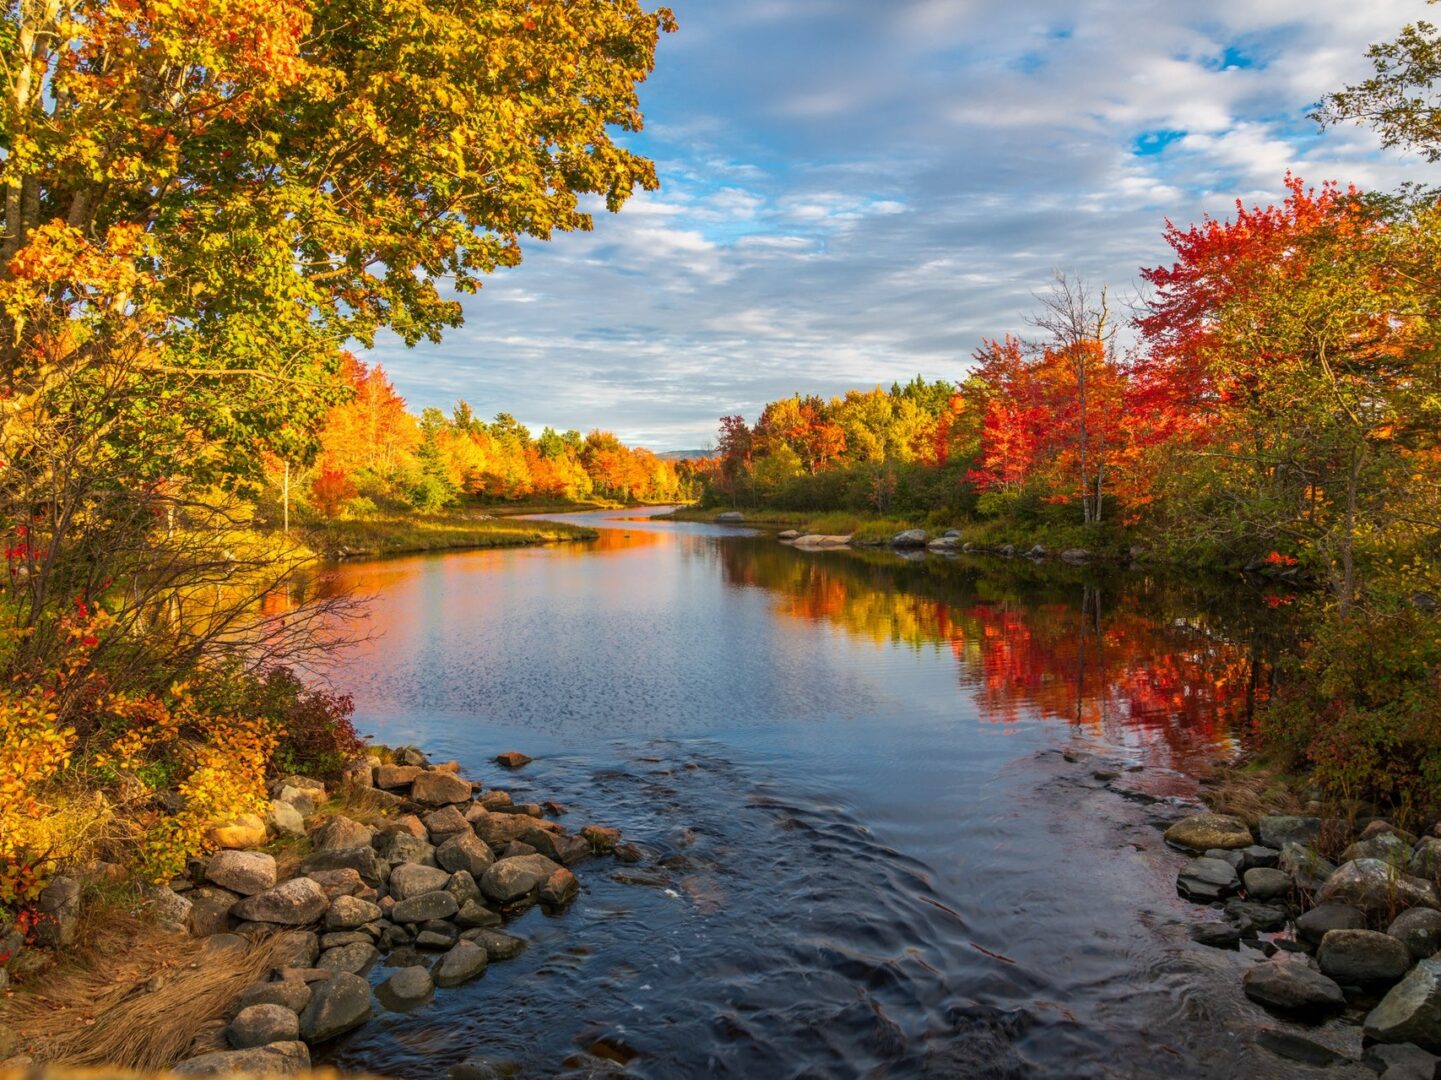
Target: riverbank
262	952
414	533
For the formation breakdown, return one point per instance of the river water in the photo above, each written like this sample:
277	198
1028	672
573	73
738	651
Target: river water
866	785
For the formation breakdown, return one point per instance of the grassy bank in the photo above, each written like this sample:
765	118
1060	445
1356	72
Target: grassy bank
400	534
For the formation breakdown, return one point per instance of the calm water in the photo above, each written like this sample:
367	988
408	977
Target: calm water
869	856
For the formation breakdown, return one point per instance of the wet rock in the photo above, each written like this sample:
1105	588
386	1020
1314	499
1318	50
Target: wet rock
465	961
1402	1061
439	789
261	1025
560	888
1315	924
340	1004
511	879
412	879
436	934
243	872
465	851
1307	869
564	849
513	759
284	819
244	831
408	986
1419	929
347	913
1375	887
729	517
339	882
210	910
1295	1047
360	859
1278	830
292	994
1205	880
292	903
340	833
474	914
1362	957
1411	1010
426	906
602	840
1286	984
355	958
497	946
1217	935
280	1058
1250	915
1202	831
497	830
1266	884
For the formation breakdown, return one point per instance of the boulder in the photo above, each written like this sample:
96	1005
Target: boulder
1386	846
465	961
358	774
349	912
242	872
560	888
341	833
498	829
1202	831
292	994
1401	1061
444	823
345	882
240	833
1266	884
474	914
412	879
410	755
296	902
336	938
1426	859
313	788
340	1004
787	534
408	986
1376	887
1419	929
397	848
439	789
490	800
1038	551
601	838
1288	985
356	958
1278	830
261	1025
1307	869
512	879
910	538
296	948
1204	880
729	517
282	1058
463	887
1315	924
560	847
436	934
407	823
431	905
284	819
391	777
1362	957
1217	935
497	946
302	802
362	860
512	759
1411	1011
465	851
210	908
1076	555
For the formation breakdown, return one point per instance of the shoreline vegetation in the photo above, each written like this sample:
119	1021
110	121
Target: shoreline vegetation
454	530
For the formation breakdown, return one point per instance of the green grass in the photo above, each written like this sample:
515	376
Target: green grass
400	534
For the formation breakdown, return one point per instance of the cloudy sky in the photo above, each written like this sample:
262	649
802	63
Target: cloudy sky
856	191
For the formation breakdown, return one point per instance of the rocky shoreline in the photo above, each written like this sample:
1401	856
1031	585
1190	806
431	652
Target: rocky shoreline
423	891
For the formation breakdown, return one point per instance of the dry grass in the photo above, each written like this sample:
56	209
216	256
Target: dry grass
60	1072
132	996
1250	793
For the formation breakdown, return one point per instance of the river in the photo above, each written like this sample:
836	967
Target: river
868	786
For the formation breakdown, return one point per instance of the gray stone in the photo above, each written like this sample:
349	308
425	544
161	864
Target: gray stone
1249	915
292	994
169	905
463	962
1286	984
401	848
1295	1047
1315	924
463	887
60	900
341	1003
341	833
909	538
439	789
1419	929
1205	880
436	934
242	872
1411	1011
1217	935
412	879
1376	887
362	860
210	908
497	946
465	851
472	913
511	879
729	517
408	986
277	1058
1426	860
338	938
1278	830
1362	957
297	948
1402	1061
1263	883
1388	847
1201	831
261	1025
354	958
349	912
426	906
296	902
1307	869
338	882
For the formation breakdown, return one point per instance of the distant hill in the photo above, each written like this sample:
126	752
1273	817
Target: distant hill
684	455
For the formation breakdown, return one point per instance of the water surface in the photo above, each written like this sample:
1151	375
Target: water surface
877	846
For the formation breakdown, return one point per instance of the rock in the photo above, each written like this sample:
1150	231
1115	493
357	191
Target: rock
472	913
490	800
339	882
910	538
348	912
261	1025
1288	985
1257	855
336	938
410	755
498	829
512	879
1315	924
560	888
516	848
362	860
1217	935
478	1068
463	962
513	759
787	534
313	788
1419	929
1402	1061
1278	830
1294	1047
340	833
210	908
1265	884
9	1042
1387	846
431	905
407	823
436	934
292	903
1202	831
284	819
1037	551
400	847
602	840
1411	1011
1249	915
356	958
274	1059
439	789
167	904
1426	860
292	994
1076	555
245	831
242	872
358	774
1362	957
341	1003
297	948
564	849
445	822
412	879
729	517
1376	887
302	802
497	946
391	777
59	903
463	887
1205	880
408	986
1307	869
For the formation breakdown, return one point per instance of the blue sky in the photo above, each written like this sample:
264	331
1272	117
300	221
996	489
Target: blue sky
857	191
